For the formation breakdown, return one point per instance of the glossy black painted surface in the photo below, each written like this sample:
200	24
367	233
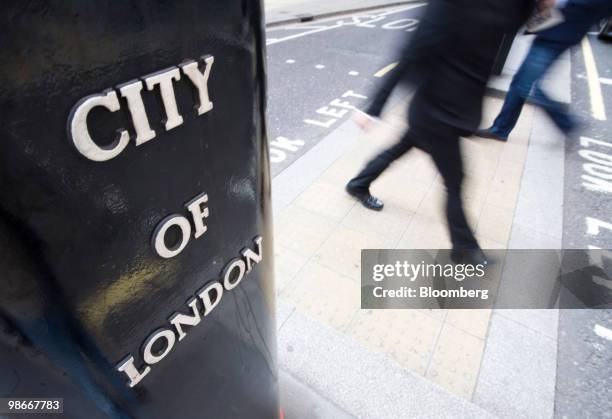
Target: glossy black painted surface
80	284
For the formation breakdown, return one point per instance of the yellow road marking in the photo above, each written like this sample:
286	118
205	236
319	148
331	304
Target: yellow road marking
385	70
598	109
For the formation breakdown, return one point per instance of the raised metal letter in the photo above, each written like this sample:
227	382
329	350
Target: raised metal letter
227	273
179	319
147	353
131	92
198	213
127	366
204	295
251	256
200	81
159	235
77	124
164	80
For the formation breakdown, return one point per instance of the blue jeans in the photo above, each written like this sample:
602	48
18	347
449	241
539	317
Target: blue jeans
540	58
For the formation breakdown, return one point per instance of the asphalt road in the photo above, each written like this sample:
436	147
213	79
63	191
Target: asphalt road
584	362
317	71
588	157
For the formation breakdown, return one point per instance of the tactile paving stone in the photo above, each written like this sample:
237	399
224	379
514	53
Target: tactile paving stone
342	250
408	336
425	233
398	189
474	322
425	171
476	188
456	361
341	172
514	152
436	313
301	230
479	165
509	172
327	199
503	195
323	294
495	223
388	225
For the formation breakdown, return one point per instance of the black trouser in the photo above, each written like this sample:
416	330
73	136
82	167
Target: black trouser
443	147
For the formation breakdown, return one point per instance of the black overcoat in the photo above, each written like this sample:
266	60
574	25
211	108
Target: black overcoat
450	57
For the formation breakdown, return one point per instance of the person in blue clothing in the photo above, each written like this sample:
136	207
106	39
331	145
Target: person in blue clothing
548	45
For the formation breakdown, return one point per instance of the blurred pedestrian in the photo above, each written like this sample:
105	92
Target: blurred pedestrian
448	61
579	16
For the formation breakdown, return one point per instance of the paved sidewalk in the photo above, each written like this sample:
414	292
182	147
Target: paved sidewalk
467	363
340	361
469	354
287	11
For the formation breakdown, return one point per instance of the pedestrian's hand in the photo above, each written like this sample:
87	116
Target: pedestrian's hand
363	120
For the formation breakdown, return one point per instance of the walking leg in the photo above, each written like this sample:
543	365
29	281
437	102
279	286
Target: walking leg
378	164
554	109
359	186
539	59
447	157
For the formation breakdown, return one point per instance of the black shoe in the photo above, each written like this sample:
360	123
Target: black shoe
365	198
470	257
487	133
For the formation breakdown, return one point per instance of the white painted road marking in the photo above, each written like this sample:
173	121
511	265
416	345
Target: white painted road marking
598	109
603	332
319	66
299	35
604	80
408	24
294	27
280	146
594	225
353	73
290	61
335	111
598	165
339	24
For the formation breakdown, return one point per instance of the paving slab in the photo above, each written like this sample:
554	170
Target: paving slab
518	373
299	401
514	381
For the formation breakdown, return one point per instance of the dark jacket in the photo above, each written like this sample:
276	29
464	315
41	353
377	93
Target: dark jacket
580	15
450	57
